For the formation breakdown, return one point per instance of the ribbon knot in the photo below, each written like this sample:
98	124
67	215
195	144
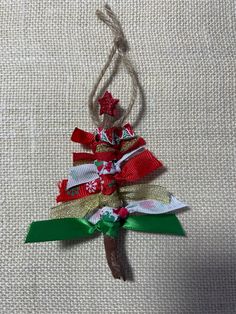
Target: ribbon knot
108	228
90	172
107	167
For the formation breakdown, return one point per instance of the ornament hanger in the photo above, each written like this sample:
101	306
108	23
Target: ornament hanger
119	53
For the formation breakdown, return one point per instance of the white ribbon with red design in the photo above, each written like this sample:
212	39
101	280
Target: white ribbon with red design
144	206
89	172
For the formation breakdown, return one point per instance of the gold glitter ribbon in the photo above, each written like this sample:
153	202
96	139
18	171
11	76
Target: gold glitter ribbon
83	206
87	205
138	192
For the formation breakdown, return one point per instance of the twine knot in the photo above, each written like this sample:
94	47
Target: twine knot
121	44
118	52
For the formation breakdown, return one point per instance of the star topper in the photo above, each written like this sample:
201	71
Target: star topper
107	104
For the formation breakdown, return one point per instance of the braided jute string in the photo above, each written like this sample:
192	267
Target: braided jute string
118	51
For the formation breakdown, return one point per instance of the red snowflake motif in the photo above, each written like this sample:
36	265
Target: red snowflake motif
107	104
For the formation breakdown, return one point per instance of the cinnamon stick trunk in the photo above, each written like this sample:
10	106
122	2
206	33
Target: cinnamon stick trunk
111	249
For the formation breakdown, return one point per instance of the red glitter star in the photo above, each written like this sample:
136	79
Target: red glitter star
107	103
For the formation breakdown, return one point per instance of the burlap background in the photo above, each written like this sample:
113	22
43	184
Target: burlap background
184	51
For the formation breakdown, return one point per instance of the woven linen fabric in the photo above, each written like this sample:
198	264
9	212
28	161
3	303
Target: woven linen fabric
51	54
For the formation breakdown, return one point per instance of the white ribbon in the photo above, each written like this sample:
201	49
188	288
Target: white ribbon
154	206
81	174
146	207
116	165
89	172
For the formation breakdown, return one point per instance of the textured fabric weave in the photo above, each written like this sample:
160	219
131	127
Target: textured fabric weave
184	51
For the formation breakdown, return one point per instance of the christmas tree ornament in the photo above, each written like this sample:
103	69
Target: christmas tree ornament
103	193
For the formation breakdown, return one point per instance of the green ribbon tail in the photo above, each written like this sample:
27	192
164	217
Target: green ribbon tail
59	229
163	223
76	228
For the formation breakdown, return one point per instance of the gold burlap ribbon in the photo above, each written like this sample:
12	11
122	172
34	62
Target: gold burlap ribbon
87	205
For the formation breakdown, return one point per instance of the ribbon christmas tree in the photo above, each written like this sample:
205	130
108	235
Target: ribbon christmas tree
102	193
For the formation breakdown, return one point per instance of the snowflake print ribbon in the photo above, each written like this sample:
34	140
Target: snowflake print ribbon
91	186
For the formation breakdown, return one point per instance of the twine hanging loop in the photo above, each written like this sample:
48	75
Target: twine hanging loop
119	52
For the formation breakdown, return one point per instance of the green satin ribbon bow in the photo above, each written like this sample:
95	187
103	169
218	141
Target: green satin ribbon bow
76	228
108	228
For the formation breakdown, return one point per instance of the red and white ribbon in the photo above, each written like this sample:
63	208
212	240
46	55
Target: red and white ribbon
89	172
